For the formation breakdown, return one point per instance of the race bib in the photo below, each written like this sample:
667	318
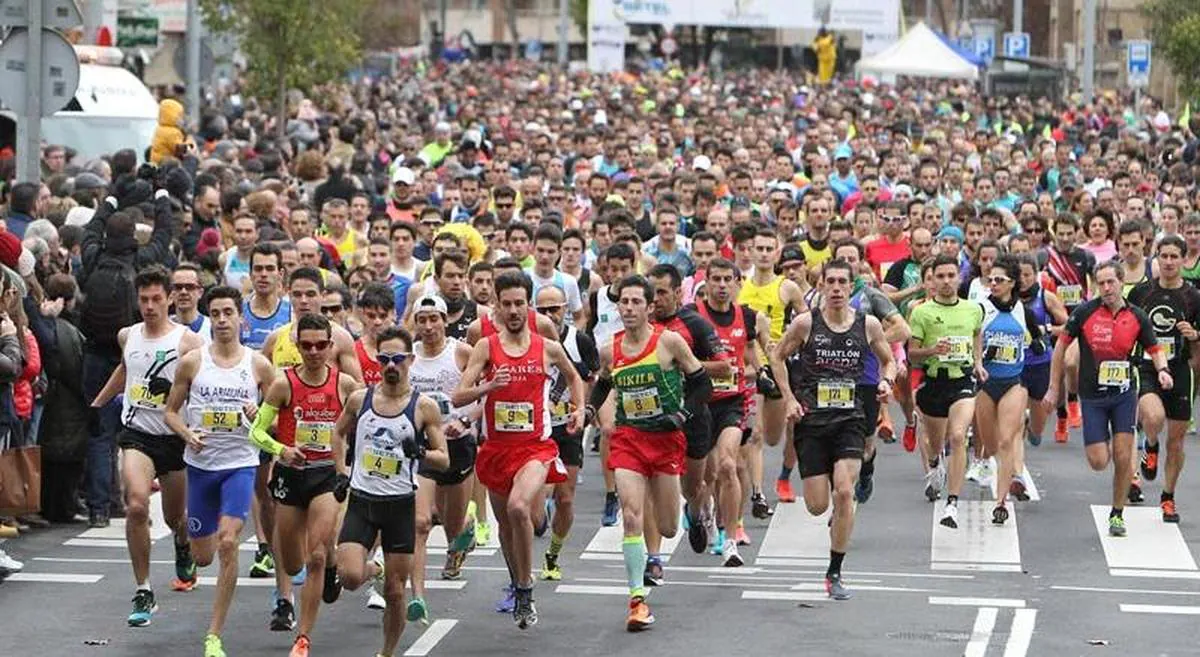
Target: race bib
558	412
641	404
1004	351
835	394
1114	373
1168	348
140	396
221	418
379	464
314	436
726	383
513	416
1071	295
960	350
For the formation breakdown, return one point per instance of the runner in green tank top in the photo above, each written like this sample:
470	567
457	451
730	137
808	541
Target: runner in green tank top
647	395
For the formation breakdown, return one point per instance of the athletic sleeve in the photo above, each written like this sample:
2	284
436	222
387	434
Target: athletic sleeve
588	354
881	306
916	323
704	337
751	323
1074	326
1146	336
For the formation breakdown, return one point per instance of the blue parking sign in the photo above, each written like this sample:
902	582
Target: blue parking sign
1137	62
1016	44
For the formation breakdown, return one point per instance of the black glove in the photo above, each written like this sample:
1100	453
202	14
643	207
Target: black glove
147	172
413	450
341	487
177	182
132	192
766	384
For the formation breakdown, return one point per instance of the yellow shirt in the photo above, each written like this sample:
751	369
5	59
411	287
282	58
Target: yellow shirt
285	353
765	299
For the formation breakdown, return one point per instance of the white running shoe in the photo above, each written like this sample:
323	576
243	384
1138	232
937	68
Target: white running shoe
374	600
950	516
974	471
8	565
987	472
935	481
732	558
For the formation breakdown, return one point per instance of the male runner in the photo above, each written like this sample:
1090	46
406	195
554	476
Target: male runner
944	332
395	430
830	434
1174	311
516	458
307	400
1070	268
185	297
643	371
220	383
306	289
1109	330
150	353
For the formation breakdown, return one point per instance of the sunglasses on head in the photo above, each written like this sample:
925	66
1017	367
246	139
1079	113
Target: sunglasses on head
319	345
393	359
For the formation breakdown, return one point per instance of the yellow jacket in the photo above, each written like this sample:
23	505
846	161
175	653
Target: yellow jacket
168	135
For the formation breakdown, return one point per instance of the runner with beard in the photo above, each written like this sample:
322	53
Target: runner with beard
450	283
1070	268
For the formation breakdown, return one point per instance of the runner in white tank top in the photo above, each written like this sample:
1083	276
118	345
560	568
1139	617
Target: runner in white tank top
215	406
149	371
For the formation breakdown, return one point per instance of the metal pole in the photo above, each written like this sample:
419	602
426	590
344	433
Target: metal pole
442	21
929	14
564	32
1089	50
93	16
193	63
29	148
1018	15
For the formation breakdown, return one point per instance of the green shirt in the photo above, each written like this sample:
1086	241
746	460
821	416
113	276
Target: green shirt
646	393
960	322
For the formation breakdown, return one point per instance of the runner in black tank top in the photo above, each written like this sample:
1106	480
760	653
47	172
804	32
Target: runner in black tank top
457	329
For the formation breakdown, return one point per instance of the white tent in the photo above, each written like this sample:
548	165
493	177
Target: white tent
920	53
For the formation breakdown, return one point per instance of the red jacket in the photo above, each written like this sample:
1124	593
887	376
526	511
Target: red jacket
23	386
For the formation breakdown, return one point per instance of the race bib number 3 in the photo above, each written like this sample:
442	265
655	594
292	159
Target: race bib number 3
641	404
1071	295
225	418
513	416
380	464
1114	373
316	436
835	394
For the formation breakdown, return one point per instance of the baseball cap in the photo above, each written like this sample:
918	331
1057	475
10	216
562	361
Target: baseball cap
701	163
404	175
952	232
430	302
790	254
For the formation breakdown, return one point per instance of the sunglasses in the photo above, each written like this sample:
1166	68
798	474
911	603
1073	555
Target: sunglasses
319	345
892	220
994	280
551	309
188	287
329	310
390	359
504	206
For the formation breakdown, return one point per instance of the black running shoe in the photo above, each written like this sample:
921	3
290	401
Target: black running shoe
283	618
654	574
759	507
697	535
524	613
864	488
1136	496
333	585
999	515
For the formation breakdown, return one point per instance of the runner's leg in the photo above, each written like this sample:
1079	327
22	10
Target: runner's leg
322	530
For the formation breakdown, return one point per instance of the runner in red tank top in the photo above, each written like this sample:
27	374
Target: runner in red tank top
518	457
307	491
377	308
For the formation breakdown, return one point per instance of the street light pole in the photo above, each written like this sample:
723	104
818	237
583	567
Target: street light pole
1089	50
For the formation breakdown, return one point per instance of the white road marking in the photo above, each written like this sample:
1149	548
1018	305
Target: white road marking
430	637
977	540
768	561
96	542
1021	633
859	585
1097	589
795	534
977	567
116	528
784	595
54	578
86	560
1161	609
592	589
981	633
1150	545
607	542
1165	574
975	602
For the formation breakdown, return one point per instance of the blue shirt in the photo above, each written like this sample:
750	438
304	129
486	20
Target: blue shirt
1003	340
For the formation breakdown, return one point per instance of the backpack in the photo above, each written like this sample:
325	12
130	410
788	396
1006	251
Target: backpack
109	303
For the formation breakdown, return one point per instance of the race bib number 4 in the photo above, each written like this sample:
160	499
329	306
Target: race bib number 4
835	394
1071	295
1114	373
140	396
379	464
513	416
641	404
223	418
315	436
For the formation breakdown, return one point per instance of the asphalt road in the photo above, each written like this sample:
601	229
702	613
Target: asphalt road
1048	583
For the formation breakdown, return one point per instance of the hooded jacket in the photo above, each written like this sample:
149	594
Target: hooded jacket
168	135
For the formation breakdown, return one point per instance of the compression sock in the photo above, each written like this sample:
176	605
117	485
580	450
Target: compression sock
464	539
634	550
835	564
556	543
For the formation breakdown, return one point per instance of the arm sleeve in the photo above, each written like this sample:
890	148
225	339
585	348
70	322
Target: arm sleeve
697	388
589	355
707	346
600	392
259	432
751	322
93	240
916	325
881	306
159	248
1146	336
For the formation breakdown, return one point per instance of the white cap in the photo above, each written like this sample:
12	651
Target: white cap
25	263
600	118
533	126
441	126
576	104
701	163
404	175
430	302
79	215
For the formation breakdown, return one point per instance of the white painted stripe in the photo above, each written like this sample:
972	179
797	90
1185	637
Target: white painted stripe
154	562
1164	574
861	585
589	589
1096	589
1030	486
677	582
776	578
977	567
601	556
768	561
96	542
1021	633
116	529
608	540
1151	543
784	595
794	533
975	602
268	582
445	585
1161	609
981	633
430	637
54	578
977	540
858	573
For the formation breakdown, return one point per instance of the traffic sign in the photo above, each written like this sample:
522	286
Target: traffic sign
207	61
668	46
134	31
533	49
57	14
1137	62
985	47
59	74
1016	44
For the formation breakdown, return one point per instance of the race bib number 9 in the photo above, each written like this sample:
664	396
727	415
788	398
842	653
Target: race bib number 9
1071	295
1114	373
513	416
380	464
221	418
140	395
641	404
314	436
835	394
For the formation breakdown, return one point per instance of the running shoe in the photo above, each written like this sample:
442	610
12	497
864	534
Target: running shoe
1116	526
300	647
654	574
910	438
1074	417
298	578
935	480
332	588
639	617
974	471
730	551
884	428
835	588
374	600
524	613
1018	489
550	570
185	569
999	515
784	492
213	647
759	507
483	533
98	521
718	544
864	487
1169	513
144	607
1150	462
1035	439
540	530
509	602
710	530
1060	430
454	564
697	537
950	516
1136	496
264	563
8	565
611	506
987	472
740	536
283	617
418	611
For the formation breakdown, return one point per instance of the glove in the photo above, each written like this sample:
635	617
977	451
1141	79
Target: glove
766	384
177	182
131	192
147	172
341	487
413	450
